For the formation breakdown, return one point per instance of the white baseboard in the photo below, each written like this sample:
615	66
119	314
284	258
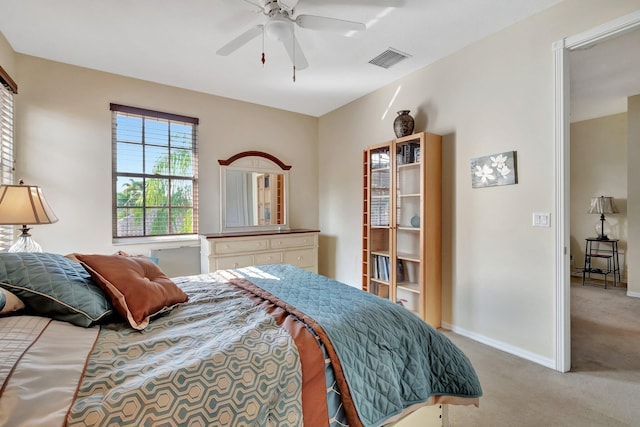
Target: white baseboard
507	348
633	294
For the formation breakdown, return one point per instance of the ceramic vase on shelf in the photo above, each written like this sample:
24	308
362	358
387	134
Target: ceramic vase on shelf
403	124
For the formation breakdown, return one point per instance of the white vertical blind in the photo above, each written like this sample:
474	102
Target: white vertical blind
6	156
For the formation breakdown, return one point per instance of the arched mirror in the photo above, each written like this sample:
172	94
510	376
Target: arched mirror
254	192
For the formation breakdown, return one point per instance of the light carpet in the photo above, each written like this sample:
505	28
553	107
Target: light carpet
602	389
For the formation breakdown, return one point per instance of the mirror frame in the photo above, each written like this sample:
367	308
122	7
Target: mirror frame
259	162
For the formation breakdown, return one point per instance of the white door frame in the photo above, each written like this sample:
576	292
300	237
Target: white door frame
561	51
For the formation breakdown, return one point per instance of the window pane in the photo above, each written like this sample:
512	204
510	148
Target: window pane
156	132
157	192
129	158
182	221
181	135
181	163
157	221
129	192
130	222
181	192
156	160
146	147
128	129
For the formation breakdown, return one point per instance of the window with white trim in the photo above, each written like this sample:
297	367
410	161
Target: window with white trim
155	173
8	89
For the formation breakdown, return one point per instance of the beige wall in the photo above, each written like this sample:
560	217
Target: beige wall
633	203
598	168
7	57
63	136
495	95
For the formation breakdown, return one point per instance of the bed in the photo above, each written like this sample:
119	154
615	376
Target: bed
109	340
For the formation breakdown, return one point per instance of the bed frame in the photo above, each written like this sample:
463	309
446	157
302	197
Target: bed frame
426	416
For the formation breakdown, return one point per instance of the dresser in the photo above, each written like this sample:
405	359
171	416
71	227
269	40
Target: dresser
297	247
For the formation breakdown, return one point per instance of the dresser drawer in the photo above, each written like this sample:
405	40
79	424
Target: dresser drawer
269	258
292	242
221	252
237	246
221	263
301	258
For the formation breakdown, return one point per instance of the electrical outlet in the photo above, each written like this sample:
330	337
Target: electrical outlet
541	219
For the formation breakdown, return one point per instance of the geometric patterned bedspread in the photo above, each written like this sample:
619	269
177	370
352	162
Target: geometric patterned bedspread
218	348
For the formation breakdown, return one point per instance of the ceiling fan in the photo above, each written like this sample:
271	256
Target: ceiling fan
280	24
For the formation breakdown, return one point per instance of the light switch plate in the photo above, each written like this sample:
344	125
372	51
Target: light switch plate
542	219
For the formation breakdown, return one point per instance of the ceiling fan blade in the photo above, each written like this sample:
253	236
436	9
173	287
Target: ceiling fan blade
295	53
323	23
256	6
240	41
288	5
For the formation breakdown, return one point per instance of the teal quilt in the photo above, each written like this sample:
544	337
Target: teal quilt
391	359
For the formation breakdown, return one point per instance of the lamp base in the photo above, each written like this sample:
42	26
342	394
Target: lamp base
25	243
602	229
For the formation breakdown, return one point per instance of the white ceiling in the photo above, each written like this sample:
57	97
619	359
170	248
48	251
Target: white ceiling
603	76
174	43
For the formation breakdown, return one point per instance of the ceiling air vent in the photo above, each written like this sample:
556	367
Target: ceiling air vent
389	58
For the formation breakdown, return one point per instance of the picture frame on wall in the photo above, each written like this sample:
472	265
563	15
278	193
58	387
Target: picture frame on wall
494	170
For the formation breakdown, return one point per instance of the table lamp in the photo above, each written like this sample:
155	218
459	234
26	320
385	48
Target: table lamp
23	205
603	205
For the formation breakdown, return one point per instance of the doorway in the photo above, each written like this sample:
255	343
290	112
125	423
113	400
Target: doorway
562	49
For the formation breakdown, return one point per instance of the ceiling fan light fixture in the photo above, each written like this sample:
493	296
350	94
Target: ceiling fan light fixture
279	27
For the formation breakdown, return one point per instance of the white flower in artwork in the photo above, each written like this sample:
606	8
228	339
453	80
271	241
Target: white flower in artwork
498	161
504	171
485	173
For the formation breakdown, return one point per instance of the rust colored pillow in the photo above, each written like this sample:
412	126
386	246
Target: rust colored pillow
138	289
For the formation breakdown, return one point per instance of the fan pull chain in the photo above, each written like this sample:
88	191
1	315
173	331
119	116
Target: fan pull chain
294	55
263	58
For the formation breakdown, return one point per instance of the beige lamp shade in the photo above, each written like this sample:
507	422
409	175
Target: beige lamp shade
603	205
24	204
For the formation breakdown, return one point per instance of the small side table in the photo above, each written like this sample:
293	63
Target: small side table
609	254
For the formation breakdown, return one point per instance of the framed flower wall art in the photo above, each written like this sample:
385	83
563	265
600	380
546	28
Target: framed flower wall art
494	170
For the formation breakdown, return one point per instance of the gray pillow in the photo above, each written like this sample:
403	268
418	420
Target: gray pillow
54	286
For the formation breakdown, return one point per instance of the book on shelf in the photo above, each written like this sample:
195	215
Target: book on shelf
381	267
408	153
400	271
375	273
